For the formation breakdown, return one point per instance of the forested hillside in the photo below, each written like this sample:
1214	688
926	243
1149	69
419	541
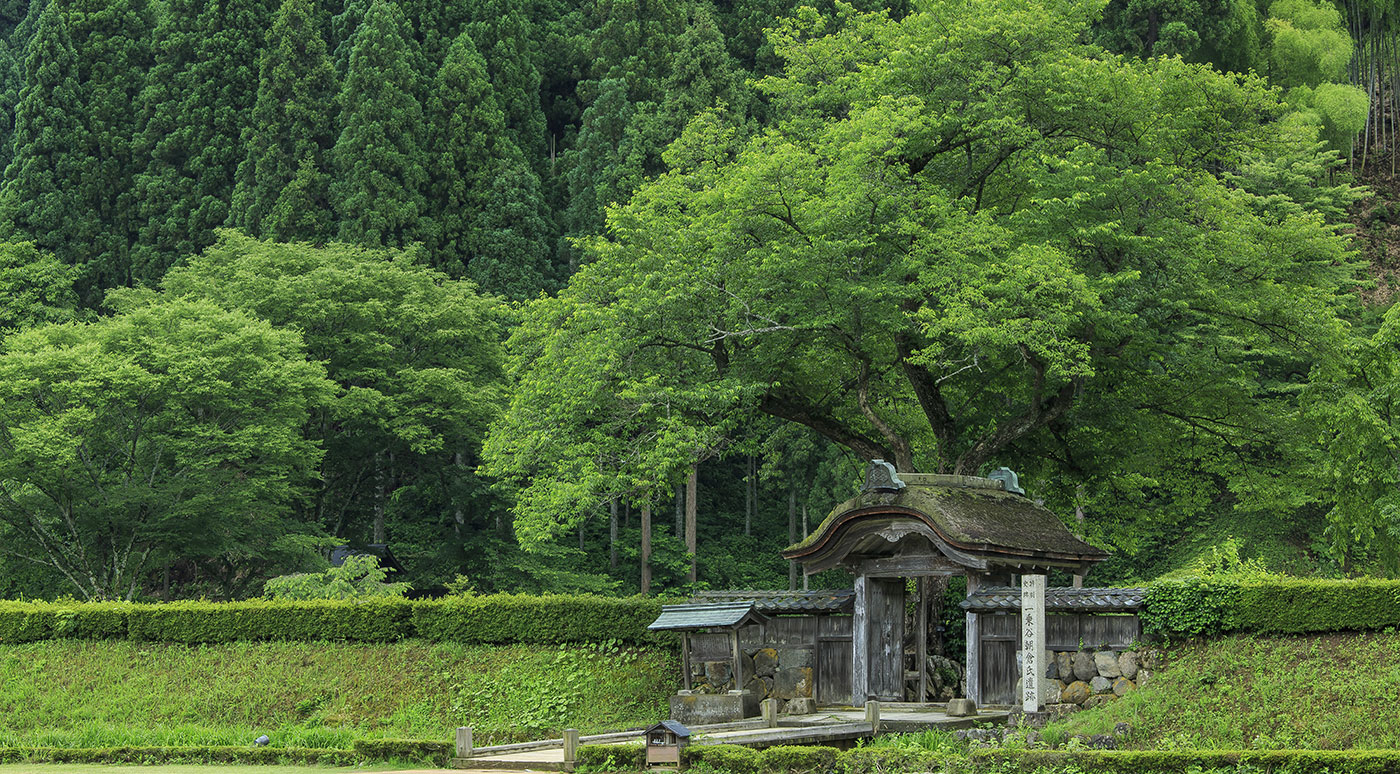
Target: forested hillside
519	287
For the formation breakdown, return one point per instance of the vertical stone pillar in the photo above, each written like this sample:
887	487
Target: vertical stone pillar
570	749
1032	641
464	742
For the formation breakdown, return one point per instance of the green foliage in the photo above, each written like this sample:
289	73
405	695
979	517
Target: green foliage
798	759
905	243
358	577
327	695
195	104
381	168
432	753
1206	606
415	358
1183	762
1310	45
172	429
1225	33
282	187
35	289
612	757
206	755
501	618
731	758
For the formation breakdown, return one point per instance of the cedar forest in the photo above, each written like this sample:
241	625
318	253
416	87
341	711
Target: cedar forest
495	281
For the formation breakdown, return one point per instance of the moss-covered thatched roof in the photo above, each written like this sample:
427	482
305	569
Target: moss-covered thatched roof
993	525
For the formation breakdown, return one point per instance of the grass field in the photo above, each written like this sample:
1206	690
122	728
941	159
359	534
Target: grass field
69	693
1332	692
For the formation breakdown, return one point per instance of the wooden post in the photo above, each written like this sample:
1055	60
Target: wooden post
1032	640
738	659
872	714
804	536
921	636
464	742
860	644
973	670
692	485
570	748
769	709
685	658
646	548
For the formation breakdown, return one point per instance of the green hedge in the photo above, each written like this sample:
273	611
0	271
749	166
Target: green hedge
789	759
419	751
198	755
1186	762
1196	607
501	618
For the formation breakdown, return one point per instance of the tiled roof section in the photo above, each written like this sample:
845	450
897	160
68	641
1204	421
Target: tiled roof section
704	616
781	602
1063	600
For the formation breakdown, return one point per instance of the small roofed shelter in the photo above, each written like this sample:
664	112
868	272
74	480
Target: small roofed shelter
904	526
729	616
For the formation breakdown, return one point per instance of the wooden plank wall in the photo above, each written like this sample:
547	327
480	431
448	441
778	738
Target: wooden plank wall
833	673
886	671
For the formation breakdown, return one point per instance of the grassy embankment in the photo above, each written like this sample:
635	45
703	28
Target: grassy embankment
1325	692
73	693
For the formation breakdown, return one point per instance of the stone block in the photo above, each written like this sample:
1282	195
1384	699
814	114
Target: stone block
794	658
1123	685
1053	690
1084	666
1101	684
1064	664
961	708
802	706
1052	667
1099	701
701	709
759	686
1128	663
792	683
1106	664
718	673
1076	692
765	662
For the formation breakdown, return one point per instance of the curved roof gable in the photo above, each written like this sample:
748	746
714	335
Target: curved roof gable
973	522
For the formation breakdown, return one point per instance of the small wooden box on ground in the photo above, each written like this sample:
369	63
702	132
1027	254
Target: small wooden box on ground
665	740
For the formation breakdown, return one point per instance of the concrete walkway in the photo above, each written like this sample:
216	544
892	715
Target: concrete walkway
827	726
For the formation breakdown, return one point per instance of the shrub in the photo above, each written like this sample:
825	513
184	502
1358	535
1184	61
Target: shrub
493	619
612	757
795	759
1204	606
162	755
416	750
1189	761
886	760
730	758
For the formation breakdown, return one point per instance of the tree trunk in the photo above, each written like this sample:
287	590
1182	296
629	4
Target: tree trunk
646	548
792	535
612	533
680	510
750	494
804	537
692	487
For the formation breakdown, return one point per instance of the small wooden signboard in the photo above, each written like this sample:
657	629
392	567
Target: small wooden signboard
665	740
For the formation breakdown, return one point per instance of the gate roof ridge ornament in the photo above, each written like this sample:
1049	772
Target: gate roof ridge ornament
880	476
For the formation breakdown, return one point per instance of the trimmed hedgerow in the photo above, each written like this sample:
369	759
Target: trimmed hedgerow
416	750
198	755
885	760
612	757
799	759
544	619
1187	761
492	619
731	758
1195	607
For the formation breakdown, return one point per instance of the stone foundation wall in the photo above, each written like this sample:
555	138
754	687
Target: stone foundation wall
768	673
1089	678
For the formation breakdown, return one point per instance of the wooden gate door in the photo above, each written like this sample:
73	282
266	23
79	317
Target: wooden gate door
1001	638
834	660
885	601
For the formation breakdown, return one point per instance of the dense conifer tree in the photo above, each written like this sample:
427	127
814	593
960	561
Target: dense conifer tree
198	98
380	165
489	213
504	38
39	202
291	129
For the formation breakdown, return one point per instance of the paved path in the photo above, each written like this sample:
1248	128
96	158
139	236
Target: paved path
822	727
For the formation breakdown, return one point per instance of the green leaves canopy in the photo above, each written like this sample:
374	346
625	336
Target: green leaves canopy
971	238
174	427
